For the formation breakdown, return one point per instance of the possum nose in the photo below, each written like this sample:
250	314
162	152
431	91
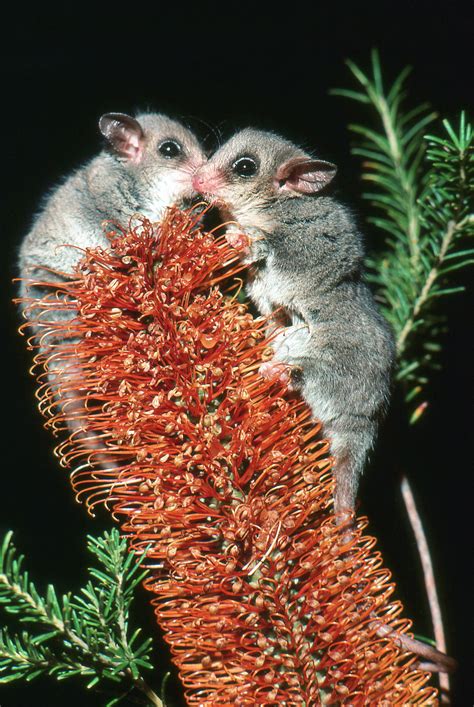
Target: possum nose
208	182
198	182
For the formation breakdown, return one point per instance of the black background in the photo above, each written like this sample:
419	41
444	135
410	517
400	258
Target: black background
231	65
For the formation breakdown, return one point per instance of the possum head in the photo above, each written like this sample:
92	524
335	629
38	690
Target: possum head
254	170
158	153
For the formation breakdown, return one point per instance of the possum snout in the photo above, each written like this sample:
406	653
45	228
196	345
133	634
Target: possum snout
198	182
208	182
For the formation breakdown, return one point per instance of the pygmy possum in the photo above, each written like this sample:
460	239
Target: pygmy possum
306	256
146	167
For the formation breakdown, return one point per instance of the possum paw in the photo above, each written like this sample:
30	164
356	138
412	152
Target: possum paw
274	370
239	241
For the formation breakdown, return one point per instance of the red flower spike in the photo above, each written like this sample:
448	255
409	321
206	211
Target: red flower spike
219	476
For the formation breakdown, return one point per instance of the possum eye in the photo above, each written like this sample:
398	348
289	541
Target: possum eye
169	149
245	167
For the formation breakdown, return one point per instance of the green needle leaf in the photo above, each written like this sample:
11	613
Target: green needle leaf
422	198
84	634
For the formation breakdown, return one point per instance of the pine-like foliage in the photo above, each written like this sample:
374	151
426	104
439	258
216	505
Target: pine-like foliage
423	193
86	634
219	477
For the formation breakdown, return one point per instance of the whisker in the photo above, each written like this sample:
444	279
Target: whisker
214	130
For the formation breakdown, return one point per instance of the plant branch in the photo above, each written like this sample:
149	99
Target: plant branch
423	187
141	685
90	629
428	573
451	229
396	150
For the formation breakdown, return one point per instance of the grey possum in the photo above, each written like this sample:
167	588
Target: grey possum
147	166
307	257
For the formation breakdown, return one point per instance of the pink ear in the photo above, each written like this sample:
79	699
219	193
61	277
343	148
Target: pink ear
304	175
124	134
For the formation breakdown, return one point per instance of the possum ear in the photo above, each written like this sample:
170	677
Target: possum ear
124	135
304	175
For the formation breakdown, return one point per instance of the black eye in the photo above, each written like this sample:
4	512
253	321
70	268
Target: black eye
245	167
169	149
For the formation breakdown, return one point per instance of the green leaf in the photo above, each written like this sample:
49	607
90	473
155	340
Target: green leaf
355	95
421	200
84	634
397	84
357	73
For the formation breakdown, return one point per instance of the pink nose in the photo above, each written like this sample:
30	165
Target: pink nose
198	182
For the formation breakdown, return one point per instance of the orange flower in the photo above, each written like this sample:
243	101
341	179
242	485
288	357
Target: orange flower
219	476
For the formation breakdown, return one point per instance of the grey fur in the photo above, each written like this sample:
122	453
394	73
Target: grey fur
307	255
109	187
134	179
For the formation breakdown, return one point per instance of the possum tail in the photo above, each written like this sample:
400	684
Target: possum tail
351	442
